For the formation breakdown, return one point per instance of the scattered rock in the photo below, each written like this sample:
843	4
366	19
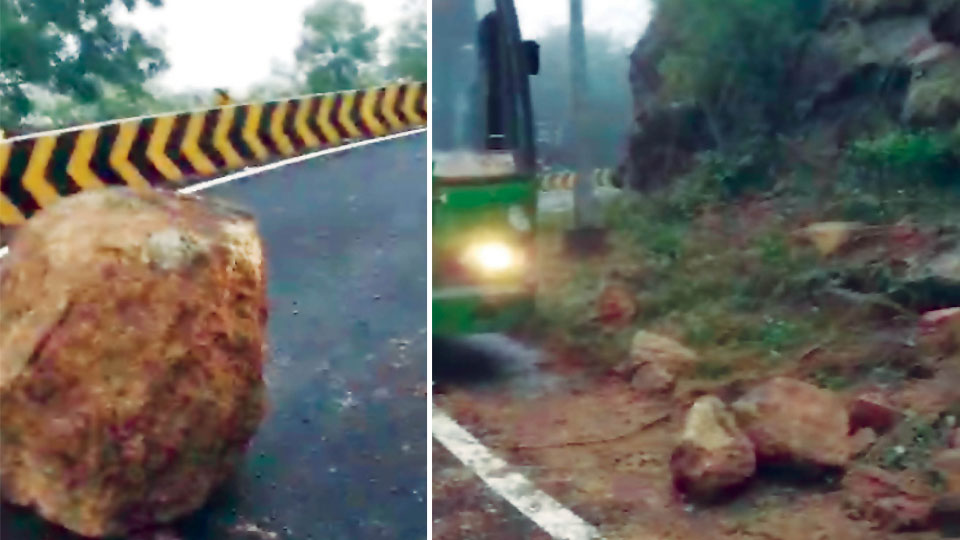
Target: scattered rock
862	440
713	455
939	330
650	347
652	378
874	410
829	236
616	305
655	361
892	501
906	240
132	328
792	421
947	266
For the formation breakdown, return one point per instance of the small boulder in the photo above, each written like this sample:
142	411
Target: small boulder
713	454
132	332
830	236
790	421
650	347
892	501
874	410
652	378
862	441
655	361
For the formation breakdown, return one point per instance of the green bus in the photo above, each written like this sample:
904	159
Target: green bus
484	169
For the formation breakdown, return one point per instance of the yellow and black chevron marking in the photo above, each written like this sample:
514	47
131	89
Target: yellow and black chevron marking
565	180
37	170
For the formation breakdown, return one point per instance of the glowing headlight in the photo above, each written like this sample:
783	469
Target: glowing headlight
492	257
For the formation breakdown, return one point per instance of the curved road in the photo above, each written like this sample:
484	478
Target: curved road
342	453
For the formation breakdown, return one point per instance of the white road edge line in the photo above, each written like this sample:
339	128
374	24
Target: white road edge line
559	522
276	165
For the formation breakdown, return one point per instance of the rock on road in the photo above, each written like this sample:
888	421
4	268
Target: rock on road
342	451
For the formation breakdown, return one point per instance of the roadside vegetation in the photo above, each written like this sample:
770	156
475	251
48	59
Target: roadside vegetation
71	63
792	226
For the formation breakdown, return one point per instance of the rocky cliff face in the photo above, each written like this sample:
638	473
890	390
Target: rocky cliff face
896	58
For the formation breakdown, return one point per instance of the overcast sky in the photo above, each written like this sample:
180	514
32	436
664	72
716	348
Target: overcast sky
623	20
235	43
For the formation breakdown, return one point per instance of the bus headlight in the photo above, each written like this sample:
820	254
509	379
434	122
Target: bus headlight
492	257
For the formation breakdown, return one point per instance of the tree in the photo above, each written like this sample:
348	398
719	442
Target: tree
337	49
57	111
408	48
69	48
733	58
607	110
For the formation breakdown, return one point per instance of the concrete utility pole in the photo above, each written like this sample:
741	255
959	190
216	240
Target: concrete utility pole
584	210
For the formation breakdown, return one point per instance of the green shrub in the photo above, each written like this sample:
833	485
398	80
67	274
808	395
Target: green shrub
733	56
908	157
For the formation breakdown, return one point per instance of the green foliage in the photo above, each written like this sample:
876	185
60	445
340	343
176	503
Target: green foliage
337	49
775	335
733	56
71	49
748	168
721	177
774	249
408	48
908	157
912	443
831	378
114	103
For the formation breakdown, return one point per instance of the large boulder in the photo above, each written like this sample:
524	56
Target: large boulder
790	421
713	455
132	332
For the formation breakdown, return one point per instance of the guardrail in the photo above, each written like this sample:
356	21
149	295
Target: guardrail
181	148
565	180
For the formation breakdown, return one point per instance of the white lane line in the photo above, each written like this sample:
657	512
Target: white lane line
559	522
276	165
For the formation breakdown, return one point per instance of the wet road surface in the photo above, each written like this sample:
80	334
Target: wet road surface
464	507
342	452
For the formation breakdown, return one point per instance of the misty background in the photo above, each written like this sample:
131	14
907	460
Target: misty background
65	63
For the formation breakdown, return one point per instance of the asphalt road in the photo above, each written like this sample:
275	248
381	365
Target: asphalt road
342	453
464	507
